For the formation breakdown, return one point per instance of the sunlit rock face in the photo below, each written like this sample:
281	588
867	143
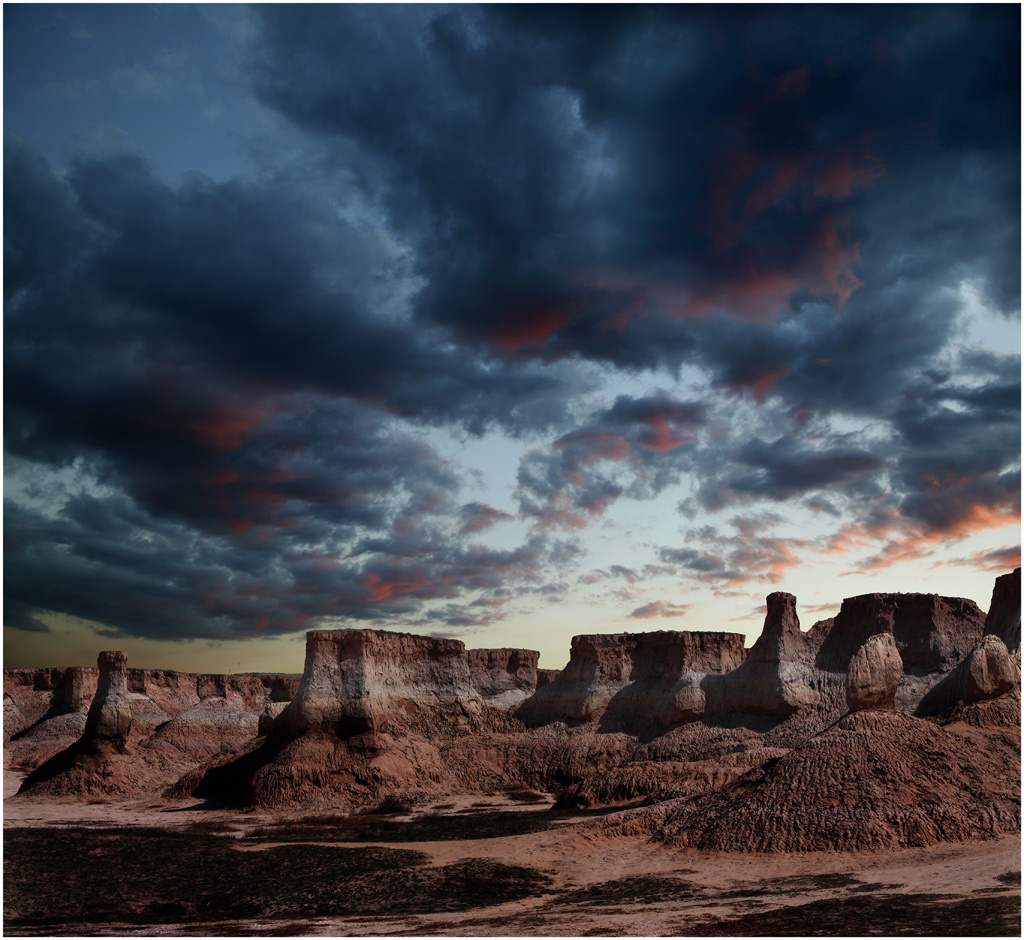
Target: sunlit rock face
874	674
110	715
628	681
355	681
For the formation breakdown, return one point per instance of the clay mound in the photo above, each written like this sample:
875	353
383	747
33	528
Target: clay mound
1003	618
40	740
634	682
997	715
14	719
664	780
874	780
208	728
320	770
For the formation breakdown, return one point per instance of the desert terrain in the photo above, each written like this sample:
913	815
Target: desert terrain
858	778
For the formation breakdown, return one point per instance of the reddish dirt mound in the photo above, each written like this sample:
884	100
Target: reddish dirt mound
873	780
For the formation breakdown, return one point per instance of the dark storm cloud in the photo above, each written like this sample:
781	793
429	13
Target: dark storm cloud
264	282
107	560
782	470
577	187
797	201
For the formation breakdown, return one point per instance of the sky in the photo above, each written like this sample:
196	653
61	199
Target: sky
503	323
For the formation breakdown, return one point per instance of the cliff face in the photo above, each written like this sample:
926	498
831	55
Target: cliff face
1003	618
932	633
503	677
356	681
632	680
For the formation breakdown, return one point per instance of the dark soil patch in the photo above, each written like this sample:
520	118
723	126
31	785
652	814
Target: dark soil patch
525	796
141	876
900	915
877	886
638	889
436	827
1009	878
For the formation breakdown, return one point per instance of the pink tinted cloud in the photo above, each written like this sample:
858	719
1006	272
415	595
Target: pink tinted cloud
660	609
479	516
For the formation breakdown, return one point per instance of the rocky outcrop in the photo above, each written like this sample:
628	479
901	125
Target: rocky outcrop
546	677
369	717
1003	618
777	678
359	681
989	671
110	715
874	674
79	687
503	678
932	633
634	681
97	762
46	709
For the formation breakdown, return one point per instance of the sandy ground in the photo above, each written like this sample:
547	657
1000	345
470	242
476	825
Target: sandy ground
575	857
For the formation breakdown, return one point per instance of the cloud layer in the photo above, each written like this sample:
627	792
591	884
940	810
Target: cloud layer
745	258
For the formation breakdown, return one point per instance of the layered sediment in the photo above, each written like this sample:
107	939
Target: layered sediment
360	681
634	681
504	678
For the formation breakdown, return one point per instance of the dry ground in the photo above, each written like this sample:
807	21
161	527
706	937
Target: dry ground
566	880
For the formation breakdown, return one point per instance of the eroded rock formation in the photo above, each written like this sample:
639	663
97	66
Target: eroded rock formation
757	743
503	678
634	681
777	678
110	714
990	671
1003	618
932	633
358	681
874	674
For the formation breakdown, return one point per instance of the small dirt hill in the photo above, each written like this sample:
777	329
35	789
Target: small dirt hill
873	780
